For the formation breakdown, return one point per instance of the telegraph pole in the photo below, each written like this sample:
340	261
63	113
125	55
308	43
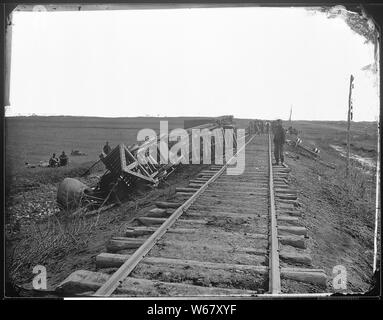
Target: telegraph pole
349	118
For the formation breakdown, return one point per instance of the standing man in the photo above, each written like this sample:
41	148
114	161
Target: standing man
279	141
107	148
256	129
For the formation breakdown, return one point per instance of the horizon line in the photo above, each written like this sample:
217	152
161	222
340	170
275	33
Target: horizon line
152	116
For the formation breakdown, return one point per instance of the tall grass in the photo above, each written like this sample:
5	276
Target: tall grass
53	239
354	196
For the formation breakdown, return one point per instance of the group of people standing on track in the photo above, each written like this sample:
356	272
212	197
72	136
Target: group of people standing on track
259	127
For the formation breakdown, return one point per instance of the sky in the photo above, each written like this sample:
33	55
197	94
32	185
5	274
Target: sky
248	62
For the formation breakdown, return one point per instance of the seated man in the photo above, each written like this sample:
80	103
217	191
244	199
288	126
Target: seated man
53	161
63	159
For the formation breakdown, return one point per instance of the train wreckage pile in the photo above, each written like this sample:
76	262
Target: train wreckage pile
128	167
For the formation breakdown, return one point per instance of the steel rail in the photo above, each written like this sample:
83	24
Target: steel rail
274	269
118	277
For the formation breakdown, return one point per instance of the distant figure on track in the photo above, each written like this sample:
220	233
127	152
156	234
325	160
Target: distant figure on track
279	141
63	159
107	148
256	127
53	161
261	126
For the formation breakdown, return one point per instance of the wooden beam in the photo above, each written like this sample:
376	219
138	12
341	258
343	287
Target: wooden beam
294	230
150	221
108	260
191	190
121	243
142	231
295	241
314	276
164	204
84	281
295	257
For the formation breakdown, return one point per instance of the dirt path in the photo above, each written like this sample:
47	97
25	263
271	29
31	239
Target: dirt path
340	224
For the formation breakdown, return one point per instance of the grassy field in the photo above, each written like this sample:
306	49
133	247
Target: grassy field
363	138
34	139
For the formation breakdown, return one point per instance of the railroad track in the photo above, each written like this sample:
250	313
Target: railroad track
223	235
